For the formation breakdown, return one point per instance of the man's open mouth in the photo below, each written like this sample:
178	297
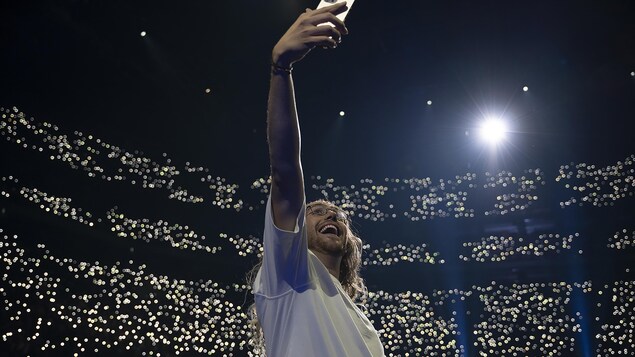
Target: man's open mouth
330	229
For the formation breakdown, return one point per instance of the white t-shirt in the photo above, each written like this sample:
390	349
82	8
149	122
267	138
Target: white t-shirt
302	308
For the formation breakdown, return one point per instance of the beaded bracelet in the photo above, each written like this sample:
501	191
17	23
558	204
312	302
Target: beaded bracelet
278	69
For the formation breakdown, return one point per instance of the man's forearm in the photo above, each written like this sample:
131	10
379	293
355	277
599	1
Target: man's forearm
283	131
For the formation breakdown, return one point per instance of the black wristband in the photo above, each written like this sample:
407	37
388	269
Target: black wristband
278	69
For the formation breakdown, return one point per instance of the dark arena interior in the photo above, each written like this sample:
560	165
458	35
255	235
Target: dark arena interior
485	150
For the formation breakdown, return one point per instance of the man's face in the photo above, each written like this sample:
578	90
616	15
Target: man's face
326	229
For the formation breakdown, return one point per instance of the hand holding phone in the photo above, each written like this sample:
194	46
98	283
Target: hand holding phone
307	33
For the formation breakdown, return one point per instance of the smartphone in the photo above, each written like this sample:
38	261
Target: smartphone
341	16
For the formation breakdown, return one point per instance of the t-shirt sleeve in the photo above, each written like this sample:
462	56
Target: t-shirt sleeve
285	263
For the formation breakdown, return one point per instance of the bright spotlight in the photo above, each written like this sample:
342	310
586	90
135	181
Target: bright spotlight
143	34
525	88
493	130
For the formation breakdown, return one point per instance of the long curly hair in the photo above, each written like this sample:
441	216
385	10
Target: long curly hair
350	278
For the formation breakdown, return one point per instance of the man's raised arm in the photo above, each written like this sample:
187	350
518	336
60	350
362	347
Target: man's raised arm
283	129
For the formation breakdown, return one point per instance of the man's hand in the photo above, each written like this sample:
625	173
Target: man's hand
305	34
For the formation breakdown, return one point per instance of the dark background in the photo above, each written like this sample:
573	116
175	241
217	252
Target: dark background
82	65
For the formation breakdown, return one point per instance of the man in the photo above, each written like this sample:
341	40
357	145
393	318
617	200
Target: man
309	277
